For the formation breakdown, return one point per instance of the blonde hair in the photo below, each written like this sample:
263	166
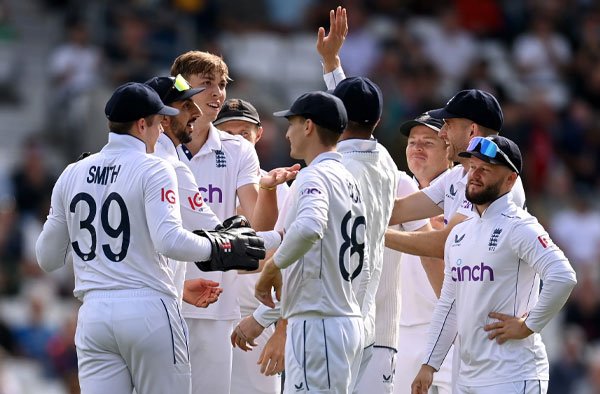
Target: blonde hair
199	63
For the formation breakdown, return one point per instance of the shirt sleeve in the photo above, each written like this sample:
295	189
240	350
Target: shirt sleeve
310	223
266	316
249	172
443	327
533	245
195	213
53	243
333	78
164	218
437	190
407	186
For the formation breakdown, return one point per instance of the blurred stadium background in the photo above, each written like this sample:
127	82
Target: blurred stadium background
61	59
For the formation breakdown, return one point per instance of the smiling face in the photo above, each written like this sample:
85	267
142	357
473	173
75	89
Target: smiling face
179	128
296	136
211	99
426	154
250	131
457	132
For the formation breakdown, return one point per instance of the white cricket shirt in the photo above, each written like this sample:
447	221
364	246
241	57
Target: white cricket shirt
115	211
449	193
195	213
325	244
376	174
418	297
247	282
224	163
494	264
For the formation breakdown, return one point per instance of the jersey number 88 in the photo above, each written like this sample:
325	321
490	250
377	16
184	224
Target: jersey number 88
352	241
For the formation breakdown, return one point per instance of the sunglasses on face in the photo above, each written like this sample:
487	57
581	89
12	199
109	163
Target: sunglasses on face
488	148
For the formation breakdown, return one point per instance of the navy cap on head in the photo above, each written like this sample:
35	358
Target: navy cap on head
237	109
422	120
510	155
168	92
323	108
473	104
133	101
362	98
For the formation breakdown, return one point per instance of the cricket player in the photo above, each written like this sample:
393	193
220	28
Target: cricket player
226	169
239	117
117	212
380	182
420	285
195	214
324	248
491	296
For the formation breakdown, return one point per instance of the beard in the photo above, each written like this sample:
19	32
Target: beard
487	195
180	131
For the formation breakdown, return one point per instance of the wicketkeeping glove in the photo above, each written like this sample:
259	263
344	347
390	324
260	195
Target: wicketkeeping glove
232	249
237	221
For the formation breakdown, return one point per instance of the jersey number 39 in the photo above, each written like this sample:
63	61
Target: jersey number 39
356	242
123	229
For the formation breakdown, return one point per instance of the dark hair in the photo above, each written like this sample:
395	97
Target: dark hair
125	127
360	128
327	136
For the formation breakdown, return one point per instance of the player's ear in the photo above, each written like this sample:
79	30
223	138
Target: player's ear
165	121
309	126
259	132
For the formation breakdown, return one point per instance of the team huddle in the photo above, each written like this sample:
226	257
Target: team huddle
199	272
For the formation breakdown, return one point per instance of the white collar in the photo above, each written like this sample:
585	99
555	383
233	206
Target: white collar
124	141
357	145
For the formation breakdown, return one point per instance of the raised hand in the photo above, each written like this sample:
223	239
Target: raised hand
329	45
278	175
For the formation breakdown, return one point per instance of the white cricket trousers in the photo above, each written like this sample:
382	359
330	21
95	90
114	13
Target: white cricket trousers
379	374
246	377
322	355
412	342
519	387
130	339
210	355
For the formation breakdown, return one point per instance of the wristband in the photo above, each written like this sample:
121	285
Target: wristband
267	188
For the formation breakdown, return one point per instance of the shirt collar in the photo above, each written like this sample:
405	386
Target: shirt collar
213	141
124	141
465	178
497	206
327	156
357	145
166	146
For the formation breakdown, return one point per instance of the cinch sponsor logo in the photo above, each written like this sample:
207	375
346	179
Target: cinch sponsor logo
472	273
212	194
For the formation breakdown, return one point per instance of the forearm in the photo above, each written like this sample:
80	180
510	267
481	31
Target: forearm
298	240
418	243
266	316
413	207
553	296
51	246
265	211
434	269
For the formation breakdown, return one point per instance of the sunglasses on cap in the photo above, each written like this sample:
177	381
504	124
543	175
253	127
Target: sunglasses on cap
489	149
180	83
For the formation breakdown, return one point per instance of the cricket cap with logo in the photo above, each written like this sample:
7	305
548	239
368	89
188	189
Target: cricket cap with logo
422	120
171	89
473	104
322	108
133	101
495	149
237	109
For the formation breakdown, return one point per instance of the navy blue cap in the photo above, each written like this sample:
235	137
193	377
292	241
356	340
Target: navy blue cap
237	109
165	87
362	98
508	147
324	109
422	120
473	104
133	101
